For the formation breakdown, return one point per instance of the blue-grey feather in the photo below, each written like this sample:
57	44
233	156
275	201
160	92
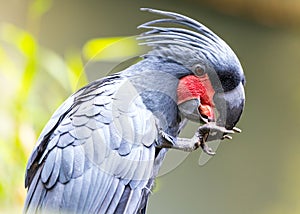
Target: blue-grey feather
37	198
52	143
67	196
101	100
66	127
123	200
109	196
65	140
105	117
111	187
101	182
133	203
53	198
78	163
85	190
79	185
115	136
99	147
93	182
184	20
66	170
56	168
81	133
79	120
125	147
93	124
36	194
48	166
116	198
103	189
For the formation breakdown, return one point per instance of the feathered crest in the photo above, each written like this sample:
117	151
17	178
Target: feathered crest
187	41
194	34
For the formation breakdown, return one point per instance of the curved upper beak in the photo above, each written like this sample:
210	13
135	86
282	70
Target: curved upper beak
230	106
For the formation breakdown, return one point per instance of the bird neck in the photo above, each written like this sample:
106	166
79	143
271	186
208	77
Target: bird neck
156	80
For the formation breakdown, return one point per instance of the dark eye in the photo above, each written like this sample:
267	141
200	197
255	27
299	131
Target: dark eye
198	70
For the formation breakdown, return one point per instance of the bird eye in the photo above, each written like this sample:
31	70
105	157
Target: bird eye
198	70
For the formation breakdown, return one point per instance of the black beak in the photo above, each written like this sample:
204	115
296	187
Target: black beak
230	106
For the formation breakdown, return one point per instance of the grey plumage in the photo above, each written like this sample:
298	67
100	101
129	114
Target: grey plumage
82	164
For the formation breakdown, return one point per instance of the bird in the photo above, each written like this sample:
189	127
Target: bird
102	148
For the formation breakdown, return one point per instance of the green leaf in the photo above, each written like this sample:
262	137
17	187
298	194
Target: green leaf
27	81
112	49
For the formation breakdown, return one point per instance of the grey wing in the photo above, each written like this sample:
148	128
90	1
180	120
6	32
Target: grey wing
98	158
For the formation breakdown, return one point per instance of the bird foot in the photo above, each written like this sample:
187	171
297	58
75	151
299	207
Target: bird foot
210	132
205	133
183	144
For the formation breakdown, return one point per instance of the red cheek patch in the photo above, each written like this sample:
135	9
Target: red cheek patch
194	87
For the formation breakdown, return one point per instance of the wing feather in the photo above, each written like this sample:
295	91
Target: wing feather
48	166
66	169
53	197
96	157
116	198
85	191
87	202
55	170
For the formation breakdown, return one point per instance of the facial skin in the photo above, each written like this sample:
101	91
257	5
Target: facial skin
197	89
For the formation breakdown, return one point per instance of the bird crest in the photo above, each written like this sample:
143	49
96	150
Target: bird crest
188	42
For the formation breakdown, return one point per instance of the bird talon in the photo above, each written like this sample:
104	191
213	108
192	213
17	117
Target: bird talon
202	141
227	137
228	131
207	149
166	136
236	129
210	132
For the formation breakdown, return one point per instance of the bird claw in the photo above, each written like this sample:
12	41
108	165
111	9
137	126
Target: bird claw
236	129
205	133
211	131
226	137
205	148
166	136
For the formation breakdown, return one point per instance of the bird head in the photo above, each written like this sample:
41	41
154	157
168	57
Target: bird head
213	89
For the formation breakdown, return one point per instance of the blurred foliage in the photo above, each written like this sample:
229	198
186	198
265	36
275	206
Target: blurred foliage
27	70
120	48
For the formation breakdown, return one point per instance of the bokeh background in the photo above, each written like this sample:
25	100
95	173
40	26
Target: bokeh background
46	44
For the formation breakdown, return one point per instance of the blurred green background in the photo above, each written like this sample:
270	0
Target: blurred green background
45	44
